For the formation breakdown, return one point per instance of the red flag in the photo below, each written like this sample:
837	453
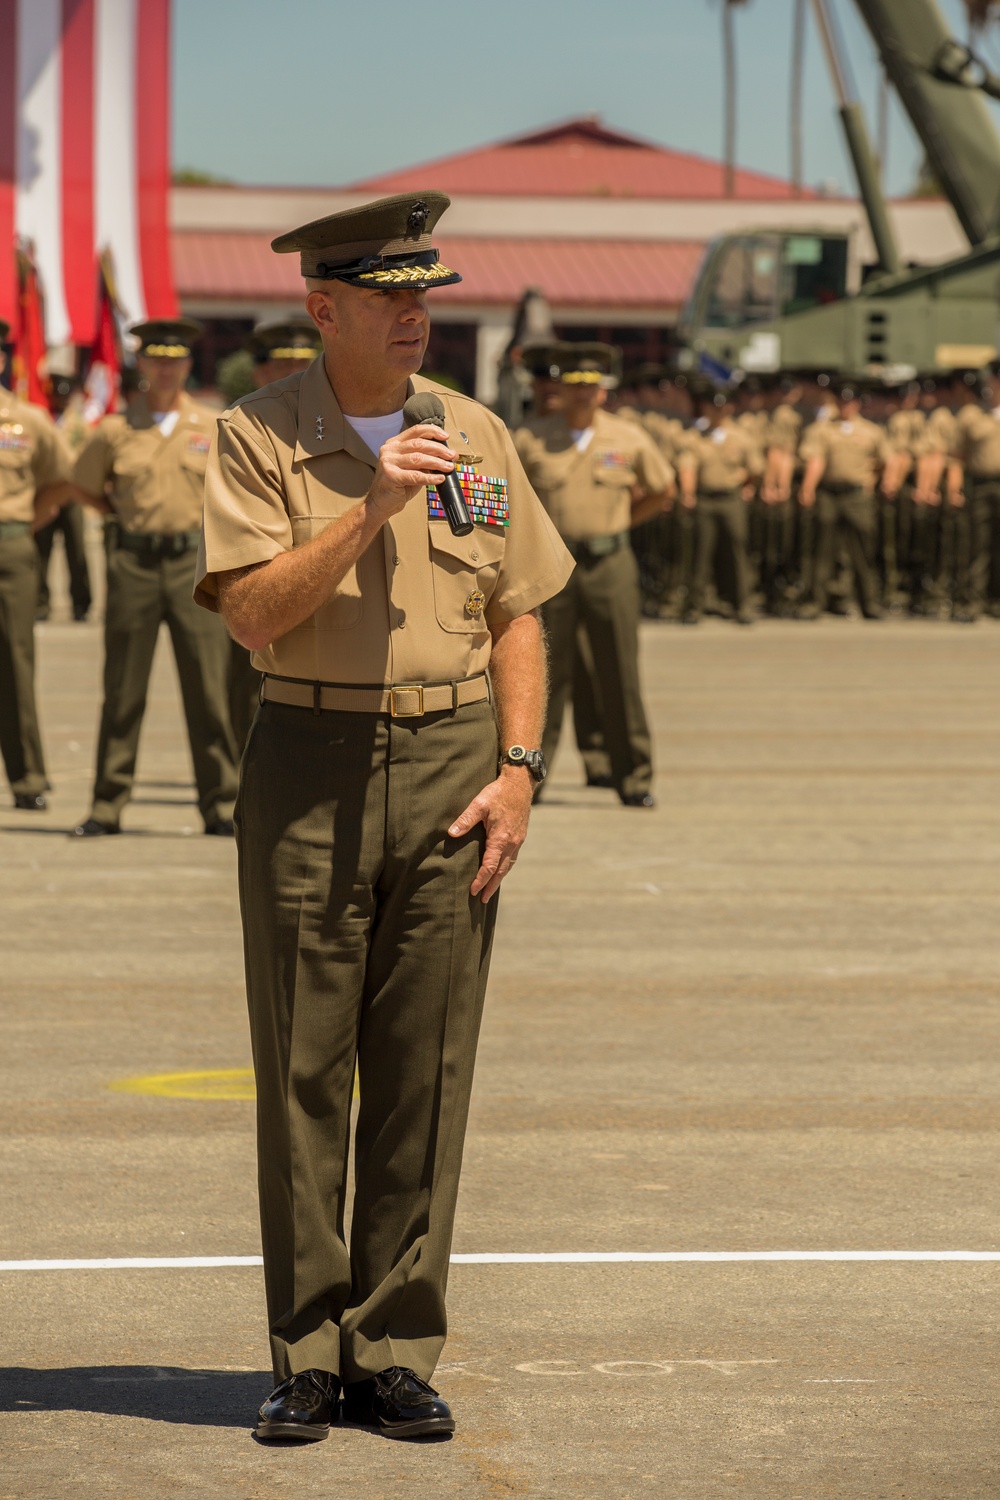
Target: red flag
30	381
104	375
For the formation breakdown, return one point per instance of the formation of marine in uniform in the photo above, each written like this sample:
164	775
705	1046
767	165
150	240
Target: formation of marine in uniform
802	494
789	496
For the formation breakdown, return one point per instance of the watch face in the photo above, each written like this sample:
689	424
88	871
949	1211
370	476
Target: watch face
517	753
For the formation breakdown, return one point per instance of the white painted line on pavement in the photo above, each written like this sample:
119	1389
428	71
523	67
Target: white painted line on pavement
558	1258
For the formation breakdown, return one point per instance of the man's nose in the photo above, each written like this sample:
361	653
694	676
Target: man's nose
414	308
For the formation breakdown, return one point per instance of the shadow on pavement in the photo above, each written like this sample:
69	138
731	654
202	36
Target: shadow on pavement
199	1398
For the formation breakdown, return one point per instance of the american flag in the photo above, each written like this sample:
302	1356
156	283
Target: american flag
85	156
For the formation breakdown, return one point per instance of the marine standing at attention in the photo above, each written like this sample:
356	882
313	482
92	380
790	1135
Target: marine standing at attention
146	469
597	476
383	799
34	470
277	350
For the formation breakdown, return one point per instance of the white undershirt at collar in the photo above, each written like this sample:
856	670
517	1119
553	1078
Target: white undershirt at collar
166	421
581	438
374	431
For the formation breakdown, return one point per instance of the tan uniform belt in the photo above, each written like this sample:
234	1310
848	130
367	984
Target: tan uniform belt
406	700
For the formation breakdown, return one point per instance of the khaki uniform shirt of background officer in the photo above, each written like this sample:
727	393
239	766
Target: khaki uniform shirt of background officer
597	476
34	470
719	457
326	548
277	349
597	481
145	468
846	453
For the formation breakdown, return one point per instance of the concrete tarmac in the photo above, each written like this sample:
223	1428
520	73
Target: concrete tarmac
762	1017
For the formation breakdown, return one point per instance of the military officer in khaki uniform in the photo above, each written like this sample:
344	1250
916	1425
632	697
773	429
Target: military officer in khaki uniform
718	467
146	469
383	798
597	476
937	497
34	470
547	390
277	350
976	505
844	460
70	522
781	475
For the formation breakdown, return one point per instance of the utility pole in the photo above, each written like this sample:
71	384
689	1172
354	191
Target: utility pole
795	94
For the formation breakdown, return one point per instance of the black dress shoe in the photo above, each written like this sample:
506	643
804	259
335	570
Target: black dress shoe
222	828
92	829
399	1404
638	799
303	1406
30	801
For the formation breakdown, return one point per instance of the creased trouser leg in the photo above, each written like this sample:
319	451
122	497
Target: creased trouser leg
362	942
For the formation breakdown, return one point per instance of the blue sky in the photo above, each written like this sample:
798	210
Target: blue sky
309	92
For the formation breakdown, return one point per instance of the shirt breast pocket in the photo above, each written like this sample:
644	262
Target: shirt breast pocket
15	467
615	472
465	571
343	609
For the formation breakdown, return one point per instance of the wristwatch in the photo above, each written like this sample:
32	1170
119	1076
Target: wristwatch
517	755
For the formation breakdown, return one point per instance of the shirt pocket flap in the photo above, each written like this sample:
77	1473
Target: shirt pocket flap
480	548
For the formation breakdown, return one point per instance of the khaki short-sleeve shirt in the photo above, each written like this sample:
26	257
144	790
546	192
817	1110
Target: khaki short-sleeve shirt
940	434
725	457
156	482
905	431
419	603
978	441
588	492
32	456
853	451
784	428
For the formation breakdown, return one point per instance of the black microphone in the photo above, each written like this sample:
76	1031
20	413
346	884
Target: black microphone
426	407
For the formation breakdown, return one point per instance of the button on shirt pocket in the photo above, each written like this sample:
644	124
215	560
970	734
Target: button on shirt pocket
343	608
465	570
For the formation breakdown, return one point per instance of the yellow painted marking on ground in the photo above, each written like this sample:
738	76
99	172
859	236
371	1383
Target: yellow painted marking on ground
218	1083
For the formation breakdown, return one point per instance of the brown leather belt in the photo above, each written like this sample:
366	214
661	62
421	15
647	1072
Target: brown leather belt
405	700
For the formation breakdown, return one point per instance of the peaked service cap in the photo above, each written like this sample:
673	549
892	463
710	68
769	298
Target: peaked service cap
590	364
296	338
378	245
167	338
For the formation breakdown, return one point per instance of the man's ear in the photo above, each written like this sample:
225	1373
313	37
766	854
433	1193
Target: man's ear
319	306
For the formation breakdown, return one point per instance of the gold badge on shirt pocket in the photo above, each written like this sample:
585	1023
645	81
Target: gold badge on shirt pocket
475	604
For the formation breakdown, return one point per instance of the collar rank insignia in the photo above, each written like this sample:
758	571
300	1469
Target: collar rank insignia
319	429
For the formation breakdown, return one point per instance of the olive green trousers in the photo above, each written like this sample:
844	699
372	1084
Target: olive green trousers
848	519
603	596
20	739
363	948
143	593
244	693
71	523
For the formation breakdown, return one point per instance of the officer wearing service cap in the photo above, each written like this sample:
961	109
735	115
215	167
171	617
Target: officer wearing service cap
277	350
145	468
383	799
280	349
845	459
34	470
598	475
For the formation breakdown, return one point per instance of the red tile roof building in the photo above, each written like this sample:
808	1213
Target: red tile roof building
579	159
609	227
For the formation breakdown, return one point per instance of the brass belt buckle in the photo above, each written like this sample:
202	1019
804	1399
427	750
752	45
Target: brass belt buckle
407	713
